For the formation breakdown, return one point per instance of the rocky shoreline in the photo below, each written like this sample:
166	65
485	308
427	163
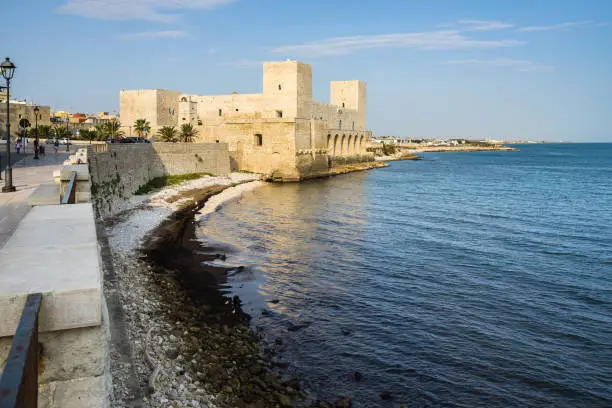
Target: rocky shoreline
189	345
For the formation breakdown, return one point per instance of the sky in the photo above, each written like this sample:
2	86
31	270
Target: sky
494	69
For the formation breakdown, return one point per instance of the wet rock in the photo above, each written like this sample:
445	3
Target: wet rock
275	301
386	396
344	402
296	327
284	400
358	376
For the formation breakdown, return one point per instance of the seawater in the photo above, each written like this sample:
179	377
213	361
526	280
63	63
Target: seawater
461	280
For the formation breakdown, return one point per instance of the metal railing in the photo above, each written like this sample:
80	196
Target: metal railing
70	193
19	382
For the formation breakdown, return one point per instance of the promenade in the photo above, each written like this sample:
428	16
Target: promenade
28	174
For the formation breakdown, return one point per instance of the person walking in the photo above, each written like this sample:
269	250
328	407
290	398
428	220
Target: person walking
18	146
56	145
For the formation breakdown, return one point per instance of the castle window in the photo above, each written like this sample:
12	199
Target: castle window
199	122
279	113
340	124
353	125
258	139
217	140
184	119
280	87
220	112
183	99
343	104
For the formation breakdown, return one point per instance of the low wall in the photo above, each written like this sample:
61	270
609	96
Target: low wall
120	170
54	251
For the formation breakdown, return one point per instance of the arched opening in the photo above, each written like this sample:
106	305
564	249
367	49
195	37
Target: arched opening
329	144
343	145
348	144
336	146
361	146
183	99
355	146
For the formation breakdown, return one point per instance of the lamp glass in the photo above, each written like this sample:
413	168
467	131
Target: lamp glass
8	69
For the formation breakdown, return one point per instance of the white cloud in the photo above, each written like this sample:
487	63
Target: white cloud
480	25
561	26
519	65
446	40
150	10
154	34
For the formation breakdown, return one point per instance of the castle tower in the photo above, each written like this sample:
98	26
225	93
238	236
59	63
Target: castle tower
350	95
287	88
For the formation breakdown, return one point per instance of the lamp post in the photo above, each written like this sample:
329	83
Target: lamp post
8	70
67	134
36	142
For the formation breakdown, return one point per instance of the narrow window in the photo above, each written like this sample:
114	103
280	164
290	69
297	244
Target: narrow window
199	122
217	141
184	119
220	112
279	113
258	139
340	124
236	109
280	87
353	125
343	104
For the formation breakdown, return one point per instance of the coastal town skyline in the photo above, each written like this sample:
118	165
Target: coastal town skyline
434	69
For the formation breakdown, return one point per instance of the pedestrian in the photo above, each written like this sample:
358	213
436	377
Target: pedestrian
18	146
36	146
56	146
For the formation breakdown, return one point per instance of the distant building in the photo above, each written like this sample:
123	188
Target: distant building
21	110
281	131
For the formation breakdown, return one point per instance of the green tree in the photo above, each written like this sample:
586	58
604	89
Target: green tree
61	132
88	134
45	131
142	127
24	123
101	133
188	132
168	134
113	129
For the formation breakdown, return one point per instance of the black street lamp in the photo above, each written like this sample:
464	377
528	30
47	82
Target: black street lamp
8	70
36	142
67	134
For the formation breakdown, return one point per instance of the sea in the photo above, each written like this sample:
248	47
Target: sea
478	279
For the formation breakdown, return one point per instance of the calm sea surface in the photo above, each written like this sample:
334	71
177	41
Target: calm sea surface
462	280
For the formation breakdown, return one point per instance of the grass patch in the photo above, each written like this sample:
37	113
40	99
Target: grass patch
159	182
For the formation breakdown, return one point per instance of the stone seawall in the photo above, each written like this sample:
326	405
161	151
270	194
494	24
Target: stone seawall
120	170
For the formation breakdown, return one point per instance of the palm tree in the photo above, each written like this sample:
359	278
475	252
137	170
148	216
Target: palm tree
88	134
167	133
188	132
61	132
100	132
142	127
113	129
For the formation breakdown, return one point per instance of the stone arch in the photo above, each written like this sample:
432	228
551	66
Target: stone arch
343	145
329	144
183	99
361	147
355	145
348	144
336	145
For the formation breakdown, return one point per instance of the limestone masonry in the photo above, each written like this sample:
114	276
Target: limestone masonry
281	132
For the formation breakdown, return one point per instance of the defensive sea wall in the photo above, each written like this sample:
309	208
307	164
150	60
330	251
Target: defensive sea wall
117	171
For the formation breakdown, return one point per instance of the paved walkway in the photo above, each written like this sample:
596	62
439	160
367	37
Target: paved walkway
28	174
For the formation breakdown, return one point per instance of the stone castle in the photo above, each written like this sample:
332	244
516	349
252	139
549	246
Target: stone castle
280	132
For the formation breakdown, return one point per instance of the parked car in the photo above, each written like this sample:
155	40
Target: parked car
134	140
64	141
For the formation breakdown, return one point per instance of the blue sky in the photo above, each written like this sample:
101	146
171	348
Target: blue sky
537	69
